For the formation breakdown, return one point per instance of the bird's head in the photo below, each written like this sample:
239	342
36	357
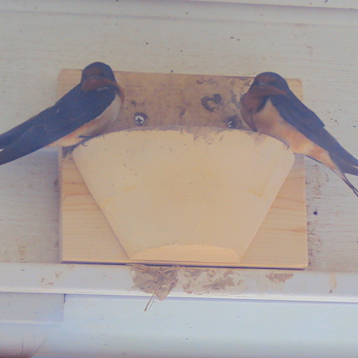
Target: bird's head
272	80
97	70
97	76
265	84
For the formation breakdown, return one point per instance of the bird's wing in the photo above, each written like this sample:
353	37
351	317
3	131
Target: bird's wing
72	111
294	112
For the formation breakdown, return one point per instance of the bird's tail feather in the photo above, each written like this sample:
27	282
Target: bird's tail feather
338	154
343	167
345	179
11	135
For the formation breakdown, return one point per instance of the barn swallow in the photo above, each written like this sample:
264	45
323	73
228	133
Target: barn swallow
84	112
270	107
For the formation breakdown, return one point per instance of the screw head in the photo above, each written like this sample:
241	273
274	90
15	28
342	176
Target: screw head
232	122
140	118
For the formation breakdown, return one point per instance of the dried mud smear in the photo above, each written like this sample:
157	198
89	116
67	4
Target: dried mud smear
158	281
279	277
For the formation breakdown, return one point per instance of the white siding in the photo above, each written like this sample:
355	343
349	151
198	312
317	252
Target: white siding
316	41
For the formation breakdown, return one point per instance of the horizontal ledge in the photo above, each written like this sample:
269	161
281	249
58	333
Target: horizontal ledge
335	4
74	6
193	283
267	11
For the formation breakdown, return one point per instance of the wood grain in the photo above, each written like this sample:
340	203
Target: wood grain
87	237
180	99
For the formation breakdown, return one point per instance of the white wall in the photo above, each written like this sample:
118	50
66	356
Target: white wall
317	43
154	36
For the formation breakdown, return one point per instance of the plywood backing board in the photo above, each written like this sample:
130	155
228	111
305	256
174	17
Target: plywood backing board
174	99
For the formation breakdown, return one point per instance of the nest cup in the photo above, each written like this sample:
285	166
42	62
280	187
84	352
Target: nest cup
179	194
